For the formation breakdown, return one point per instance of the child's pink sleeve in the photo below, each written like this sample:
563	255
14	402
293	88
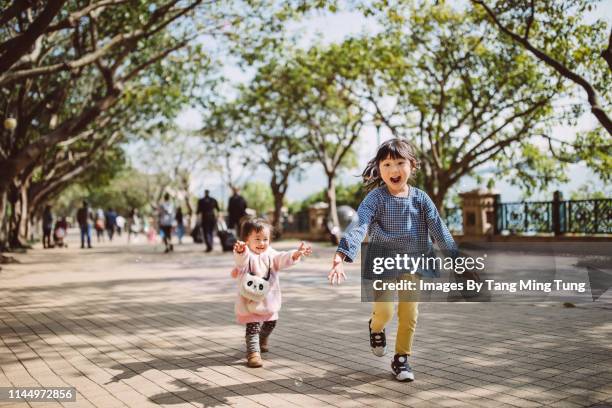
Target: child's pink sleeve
241	259
282	260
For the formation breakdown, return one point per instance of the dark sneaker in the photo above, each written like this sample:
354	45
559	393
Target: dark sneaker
378	342
401	369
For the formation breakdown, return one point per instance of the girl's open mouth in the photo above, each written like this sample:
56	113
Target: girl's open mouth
396	179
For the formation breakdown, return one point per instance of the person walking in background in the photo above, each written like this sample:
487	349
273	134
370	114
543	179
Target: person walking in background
60	232
236	209
47	221
134	224
120	223
207	207
180	226
149	229
99	224
166	219
84	218
111	223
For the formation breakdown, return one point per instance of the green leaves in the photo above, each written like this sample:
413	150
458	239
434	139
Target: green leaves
561	38
259	196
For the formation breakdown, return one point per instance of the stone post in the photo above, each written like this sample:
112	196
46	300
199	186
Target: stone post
317	217
479	212
557	223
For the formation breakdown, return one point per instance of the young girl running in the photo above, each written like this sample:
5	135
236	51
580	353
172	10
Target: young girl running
259	298
393	214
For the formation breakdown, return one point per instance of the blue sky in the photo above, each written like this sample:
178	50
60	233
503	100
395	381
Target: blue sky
334	28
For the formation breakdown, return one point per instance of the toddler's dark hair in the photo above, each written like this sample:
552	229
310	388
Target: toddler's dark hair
253	225
394	148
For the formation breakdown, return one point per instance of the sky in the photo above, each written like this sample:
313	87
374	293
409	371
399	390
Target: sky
331	28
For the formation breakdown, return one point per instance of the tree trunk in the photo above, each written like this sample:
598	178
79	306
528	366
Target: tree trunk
279	196
3	221
185	181
438	200
18	234
331	200
188	215
436	186
437	193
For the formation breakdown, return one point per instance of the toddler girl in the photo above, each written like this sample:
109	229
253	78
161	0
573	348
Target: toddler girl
257	265
394	215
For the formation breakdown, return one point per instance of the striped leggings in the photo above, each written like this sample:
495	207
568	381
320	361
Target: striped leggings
254	331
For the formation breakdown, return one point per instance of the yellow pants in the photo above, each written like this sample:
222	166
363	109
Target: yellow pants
407	314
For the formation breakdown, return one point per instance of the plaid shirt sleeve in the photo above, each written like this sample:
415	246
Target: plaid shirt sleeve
437	228
350	244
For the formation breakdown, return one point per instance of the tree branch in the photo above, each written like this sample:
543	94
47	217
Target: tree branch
71	65
592	95
12	50
472	153
16	8
607	53
72	20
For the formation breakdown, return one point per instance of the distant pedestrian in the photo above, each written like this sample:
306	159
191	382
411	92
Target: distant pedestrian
150	228
47	226
100	224
134	224
180	226
59	233
110	219
120	223
166	219
84	218
207	209
236	209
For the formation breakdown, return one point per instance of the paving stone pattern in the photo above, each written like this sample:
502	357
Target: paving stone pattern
128	325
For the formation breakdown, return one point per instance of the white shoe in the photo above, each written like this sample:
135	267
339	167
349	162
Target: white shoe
378	342
401	369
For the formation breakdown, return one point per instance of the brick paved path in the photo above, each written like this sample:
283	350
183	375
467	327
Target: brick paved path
131	326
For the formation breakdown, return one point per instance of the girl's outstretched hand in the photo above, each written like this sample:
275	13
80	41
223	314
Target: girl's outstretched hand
239	247
303	250
337	275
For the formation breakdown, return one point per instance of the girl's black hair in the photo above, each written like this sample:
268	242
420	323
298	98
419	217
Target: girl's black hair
250	225
394	148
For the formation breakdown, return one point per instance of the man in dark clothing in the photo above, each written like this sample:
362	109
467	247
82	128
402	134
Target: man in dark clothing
47	226
237	209
111	223
84	218
207	207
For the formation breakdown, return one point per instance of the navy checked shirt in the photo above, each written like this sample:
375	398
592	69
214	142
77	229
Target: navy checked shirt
402	223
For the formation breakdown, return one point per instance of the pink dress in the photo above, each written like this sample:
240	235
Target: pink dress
267	309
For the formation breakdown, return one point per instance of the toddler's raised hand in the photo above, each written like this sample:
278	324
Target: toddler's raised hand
239	247
303	250
336	275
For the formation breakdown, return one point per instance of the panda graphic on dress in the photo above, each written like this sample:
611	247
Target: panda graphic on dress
259	296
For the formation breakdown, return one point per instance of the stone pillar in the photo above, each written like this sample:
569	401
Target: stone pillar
317	217
479	212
